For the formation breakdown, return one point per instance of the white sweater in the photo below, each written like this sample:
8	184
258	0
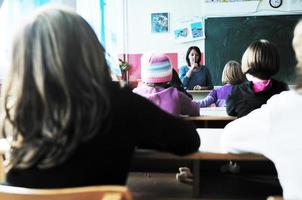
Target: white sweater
274	130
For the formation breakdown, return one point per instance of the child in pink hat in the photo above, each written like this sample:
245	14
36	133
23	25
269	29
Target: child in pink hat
156	73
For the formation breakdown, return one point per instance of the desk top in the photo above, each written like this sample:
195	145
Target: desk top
213	111
210	149
211	117
198	91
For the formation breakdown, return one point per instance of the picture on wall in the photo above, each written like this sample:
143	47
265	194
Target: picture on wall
160	22
197	30
189	29
181	33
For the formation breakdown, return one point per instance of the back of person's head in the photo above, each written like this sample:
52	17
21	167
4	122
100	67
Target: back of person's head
261	60
232	73
55	94
156	69
188	53
297	44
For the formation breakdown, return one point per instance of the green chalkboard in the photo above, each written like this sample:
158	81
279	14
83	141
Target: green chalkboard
228	37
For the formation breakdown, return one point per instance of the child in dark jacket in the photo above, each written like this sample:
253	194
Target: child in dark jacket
66	109
231	75
156	73
260	62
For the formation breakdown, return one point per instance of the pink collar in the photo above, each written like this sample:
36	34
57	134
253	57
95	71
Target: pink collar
259	86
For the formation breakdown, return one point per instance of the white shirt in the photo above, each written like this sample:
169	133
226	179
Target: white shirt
274	130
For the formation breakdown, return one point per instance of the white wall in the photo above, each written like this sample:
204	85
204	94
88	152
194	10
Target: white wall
140	39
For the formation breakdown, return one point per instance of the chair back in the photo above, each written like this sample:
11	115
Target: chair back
78	193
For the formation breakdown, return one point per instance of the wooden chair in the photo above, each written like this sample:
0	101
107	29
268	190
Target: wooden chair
78	193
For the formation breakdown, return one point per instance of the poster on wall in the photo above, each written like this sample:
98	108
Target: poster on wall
160	22
189	29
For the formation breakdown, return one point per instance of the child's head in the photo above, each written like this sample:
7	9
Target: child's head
156	69
58	74
261	60
232	73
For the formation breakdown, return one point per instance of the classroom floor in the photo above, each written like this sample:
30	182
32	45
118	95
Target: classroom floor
164	186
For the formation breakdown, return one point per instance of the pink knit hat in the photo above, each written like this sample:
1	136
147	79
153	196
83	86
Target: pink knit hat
156	68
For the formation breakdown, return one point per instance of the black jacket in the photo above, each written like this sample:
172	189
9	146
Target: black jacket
243	99
106	158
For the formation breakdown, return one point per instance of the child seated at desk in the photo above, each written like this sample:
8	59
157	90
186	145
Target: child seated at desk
274	130
68	124
231	75
260	62
156	73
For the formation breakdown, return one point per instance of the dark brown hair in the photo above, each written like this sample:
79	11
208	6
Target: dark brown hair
188	53
261	59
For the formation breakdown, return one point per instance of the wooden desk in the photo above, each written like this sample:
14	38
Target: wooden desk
199	94
212	117
210	150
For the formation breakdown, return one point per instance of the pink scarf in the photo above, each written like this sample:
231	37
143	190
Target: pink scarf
260	85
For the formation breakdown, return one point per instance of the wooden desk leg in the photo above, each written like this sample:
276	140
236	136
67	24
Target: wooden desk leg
196	181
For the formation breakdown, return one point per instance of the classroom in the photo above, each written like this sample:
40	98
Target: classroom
128	30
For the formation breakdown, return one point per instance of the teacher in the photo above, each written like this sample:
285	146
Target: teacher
195	76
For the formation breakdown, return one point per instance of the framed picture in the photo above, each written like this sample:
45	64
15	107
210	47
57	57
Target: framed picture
160	22
197	29
189	29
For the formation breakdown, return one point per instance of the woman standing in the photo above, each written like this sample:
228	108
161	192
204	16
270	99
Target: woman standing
193	75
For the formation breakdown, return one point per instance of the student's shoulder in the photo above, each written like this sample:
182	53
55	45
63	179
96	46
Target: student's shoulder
284	99
223	87
171	91
119	91
116	86
280	85
245	86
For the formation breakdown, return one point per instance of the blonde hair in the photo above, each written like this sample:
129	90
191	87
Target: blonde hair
57	80
297	45
261	59
232	73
